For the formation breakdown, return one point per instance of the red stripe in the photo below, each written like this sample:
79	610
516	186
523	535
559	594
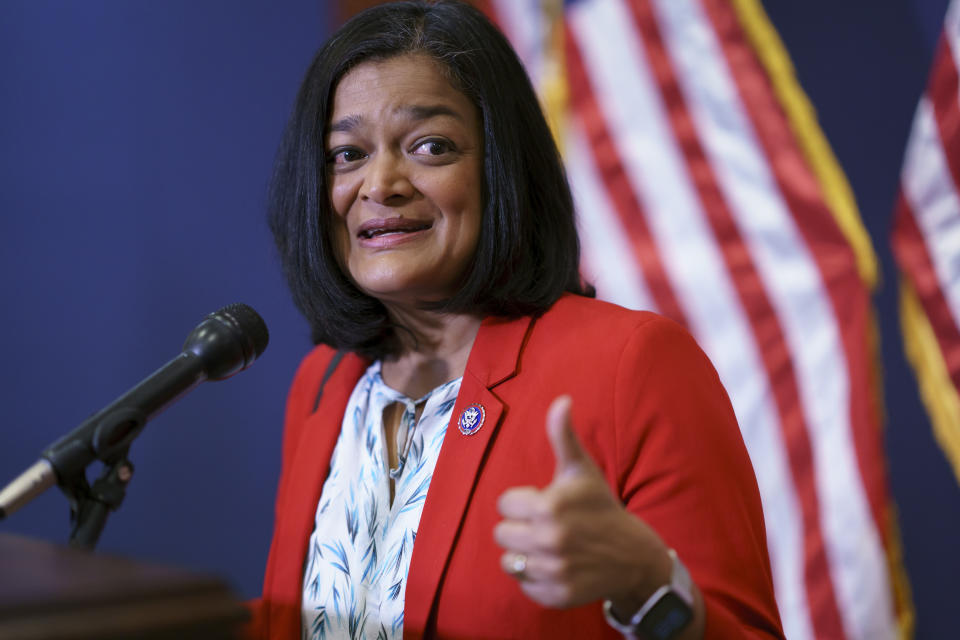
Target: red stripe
942	90
763	320
606	158
831	252
910	249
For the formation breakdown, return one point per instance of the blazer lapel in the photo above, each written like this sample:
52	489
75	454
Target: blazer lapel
493	359
296	509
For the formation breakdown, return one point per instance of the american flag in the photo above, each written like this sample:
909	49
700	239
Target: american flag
926	241
706	191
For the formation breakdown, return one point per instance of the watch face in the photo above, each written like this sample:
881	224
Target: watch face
666	618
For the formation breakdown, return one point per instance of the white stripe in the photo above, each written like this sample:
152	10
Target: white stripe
792	280
522	22
934	197
609	261
929	189
613	53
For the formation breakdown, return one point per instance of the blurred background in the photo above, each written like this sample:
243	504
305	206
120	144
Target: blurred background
136	144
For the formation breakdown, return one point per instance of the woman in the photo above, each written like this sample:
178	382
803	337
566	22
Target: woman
592	479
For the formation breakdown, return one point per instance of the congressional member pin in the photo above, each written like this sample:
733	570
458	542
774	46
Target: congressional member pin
471	419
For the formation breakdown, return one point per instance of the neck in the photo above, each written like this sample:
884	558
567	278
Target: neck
435	349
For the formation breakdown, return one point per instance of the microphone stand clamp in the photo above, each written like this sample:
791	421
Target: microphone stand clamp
90	505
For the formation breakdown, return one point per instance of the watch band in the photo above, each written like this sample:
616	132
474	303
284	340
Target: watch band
671	605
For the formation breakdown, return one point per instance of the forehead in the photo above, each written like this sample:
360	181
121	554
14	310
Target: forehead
407	85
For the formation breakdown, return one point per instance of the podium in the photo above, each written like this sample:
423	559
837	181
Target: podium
52	592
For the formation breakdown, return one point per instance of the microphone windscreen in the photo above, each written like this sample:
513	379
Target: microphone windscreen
228	340
250	325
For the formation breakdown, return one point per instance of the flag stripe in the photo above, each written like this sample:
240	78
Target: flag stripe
822	288
931	197
602	236
944	88
683	201
943	95
717	321
622	195
698	75
718	325
934	203
926	241
521	21
911	251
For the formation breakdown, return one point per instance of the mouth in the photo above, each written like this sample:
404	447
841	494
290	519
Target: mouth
391	226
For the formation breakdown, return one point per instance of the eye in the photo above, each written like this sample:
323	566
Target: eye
345	155
433	147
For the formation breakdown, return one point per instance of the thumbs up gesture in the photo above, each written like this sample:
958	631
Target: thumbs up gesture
573	542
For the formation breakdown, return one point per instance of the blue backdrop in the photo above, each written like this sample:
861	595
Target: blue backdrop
136	141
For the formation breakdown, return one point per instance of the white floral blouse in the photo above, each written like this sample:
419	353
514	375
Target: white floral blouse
359	553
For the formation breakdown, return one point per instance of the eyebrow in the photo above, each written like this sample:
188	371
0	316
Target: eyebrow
425	112
414	112
346	124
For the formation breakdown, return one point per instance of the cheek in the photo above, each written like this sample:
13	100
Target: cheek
337	227
340	194
340	239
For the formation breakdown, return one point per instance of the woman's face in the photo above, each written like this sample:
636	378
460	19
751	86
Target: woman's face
404	164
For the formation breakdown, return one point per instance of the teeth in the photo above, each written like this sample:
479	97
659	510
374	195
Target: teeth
371	233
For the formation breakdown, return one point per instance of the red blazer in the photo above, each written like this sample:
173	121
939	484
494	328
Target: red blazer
647	405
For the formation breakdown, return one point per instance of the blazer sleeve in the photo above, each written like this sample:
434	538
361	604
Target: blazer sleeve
682	467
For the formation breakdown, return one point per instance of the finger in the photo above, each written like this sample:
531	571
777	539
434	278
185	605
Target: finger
521	503
531	567
548	593
567	451
514	535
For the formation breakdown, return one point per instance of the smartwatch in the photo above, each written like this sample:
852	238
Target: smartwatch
665	614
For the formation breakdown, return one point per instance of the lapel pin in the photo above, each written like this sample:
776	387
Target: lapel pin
471	419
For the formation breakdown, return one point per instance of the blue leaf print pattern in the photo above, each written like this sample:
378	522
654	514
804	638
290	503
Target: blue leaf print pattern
336	602
438	437
371	556
314	586
341	555
358	419
371	442
358	527
353	520
399	557
372	523
418	496
356	618
394	592
319	626
416	447
445	407
397	622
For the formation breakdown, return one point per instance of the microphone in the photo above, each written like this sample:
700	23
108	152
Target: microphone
224	343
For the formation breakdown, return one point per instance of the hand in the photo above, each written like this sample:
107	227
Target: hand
578	542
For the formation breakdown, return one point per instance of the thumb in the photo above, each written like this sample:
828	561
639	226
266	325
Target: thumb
567	451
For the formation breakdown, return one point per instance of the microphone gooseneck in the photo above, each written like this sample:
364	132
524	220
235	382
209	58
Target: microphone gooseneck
226	342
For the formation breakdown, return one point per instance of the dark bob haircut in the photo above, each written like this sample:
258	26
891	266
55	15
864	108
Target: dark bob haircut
527	253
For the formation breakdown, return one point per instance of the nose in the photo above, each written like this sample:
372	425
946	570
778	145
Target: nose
386	179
